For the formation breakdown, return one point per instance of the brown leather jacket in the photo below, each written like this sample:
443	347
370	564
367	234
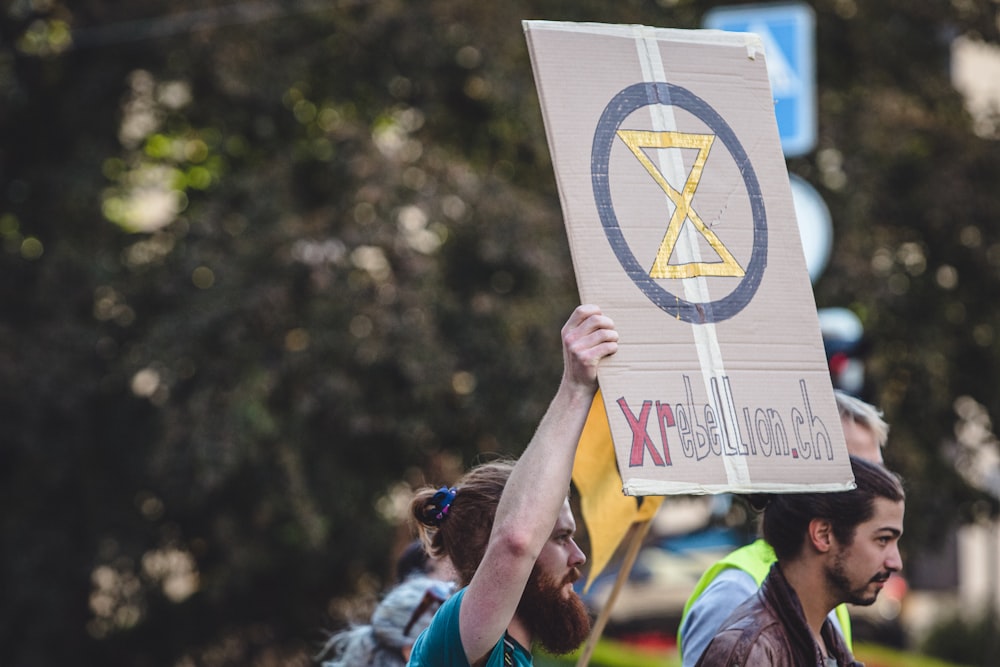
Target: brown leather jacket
770	629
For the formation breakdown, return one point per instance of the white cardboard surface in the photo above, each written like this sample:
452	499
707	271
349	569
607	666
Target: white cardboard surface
681	225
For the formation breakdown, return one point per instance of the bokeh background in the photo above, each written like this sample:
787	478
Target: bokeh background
268	265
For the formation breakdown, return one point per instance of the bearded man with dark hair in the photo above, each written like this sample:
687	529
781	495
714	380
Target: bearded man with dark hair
831	548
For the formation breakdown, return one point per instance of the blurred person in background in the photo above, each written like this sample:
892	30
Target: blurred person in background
415	560
397	621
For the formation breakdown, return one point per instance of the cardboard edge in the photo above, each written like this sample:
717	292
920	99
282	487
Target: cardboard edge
748	40
640	487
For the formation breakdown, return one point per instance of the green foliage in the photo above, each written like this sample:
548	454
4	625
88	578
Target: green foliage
268	266
610	653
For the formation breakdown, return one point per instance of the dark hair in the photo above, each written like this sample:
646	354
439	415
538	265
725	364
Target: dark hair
463	533
787	515
413	560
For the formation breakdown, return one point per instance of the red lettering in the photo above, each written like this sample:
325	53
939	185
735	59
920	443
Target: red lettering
665	417
640	438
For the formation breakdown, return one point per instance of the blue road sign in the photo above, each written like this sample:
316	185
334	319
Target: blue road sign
788	33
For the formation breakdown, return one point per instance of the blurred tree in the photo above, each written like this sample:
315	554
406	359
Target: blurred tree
268	265
916	241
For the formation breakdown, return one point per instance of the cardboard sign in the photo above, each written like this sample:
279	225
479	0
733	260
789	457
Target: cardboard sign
682	228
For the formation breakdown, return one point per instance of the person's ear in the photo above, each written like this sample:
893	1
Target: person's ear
821	535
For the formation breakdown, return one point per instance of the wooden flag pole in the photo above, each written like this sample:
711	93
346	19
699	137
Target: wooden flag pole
638	536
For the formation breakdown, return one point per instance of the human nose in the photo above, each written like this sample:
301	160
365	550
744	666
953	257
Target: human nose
576	557
894	562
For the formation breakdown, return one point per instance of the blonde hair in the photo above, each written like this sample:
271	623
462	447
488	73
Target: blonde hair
862	413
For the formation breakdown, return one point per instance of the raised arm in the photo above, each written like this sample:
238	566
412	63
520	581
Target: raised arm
537	488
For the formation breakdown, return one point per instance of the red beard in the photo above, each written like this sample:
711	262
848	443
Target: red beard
558	623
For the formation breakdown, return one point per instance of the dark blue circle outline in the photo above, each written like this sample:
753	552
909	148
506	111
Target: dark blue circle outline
618	109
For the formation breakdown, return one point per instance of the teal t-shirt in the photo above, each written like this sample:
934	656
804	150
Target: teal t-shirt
440	645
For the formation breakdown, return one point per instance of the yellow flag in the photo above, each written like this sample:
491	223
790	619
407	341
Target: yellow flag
607	512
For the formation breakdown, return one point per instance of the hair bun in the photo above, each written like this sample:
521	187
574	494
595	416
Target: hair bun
436	510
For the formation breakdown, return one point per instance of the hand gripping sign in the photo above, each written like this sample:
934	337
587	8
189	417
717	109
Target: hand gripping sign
681	226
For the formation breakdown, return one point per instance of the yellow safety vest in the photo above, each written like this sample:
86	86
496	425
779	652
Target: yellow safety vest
755	559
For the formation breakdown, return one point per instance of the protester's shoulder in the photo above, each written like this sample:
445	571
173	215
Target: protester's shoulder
446	618
747	638
748	565
750	619
441	643
728	588
713	605
733	577
455	601
770	647
755	558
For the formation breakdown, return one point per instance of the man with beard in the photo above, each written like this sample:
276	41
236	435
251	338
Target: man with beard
738	576
832	548
508	530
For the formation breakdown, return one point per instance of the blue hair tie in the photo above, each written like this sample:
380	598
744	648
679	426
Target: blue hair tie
437	510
